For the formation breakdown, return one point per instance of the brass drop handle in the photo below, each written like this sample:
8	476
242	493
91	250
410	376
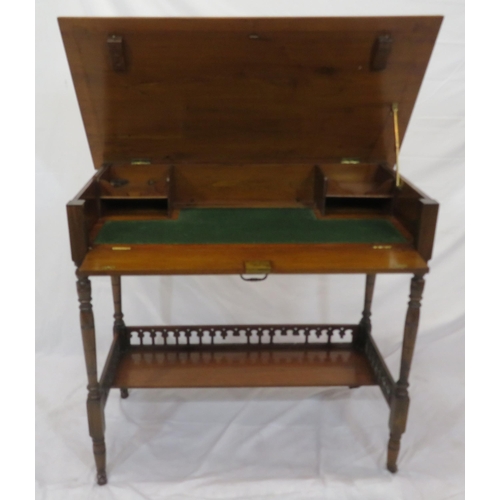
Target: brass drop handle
256	267
244	278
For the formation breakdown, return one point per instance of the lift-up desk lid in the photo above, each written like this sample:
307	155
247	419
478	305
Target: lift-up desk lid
246	90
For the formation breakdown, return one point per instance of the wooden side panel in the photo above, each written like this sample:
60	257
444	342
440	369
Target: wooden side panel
78	233
418	214
427	227
90	194
83	212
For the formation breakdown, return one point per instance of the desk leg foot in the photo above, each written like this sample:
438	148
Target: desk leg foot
100	460
102	478
392	453
124	393
96	427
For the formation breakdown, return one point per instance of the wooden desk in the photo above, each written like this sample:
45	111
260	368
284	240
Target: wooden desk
250	147
246	355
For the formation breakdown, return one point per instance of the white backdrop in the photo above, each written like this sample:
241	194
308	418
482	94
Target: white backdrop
303	443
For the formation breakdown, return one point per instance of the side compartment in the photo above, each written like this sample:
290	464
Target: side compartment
347	189
136	190
370	190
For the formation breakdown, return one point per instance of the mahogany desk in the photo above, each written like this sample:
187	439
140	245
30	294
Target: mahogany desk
250	147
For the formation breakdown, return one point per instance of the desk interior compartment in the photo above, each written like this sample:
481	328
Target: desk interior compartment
244	185
354	189
135	190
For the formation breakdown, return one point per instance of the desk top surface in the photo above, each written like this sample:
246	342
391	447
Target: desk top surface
249	225
221	241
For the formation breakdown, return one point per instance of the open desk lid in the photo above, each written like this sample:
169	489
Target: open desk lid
241	90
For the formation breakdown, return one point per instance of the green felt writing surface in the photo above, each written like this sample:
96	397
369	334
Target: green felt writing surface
249	225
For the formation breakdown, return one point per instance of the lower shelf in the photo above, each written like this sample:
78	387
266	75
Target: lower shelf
242	366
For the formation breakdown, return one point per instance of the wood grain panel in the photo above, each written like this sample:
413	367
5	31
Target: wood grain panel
150	368
243	185
250	90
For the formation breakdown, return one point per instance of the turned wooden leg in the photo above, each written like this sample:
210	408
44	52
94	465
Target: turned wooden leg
365	325
119	325
400	400
95	408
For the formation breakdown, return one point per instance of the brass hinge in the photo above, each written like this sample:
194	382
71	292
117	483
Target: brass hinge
140	161
350	161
